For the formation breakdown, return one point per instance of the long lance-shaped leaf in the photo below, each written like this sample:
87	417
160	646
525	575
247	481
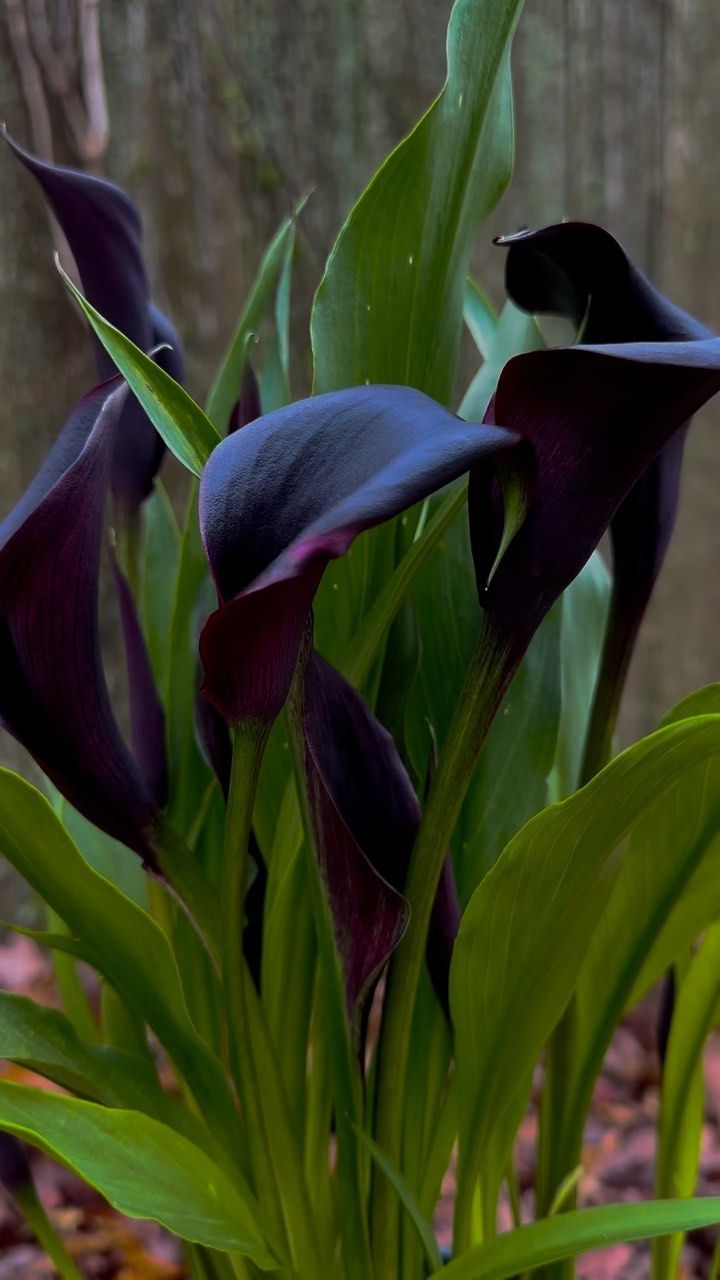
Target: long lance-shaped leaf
682	1103
142	1167
525	933
127	946
389	307
667	891
565	1236
45	1041
275	260
174	414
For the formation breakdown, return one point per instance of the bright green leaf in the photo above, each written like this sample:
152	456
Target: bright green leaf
480	317
389	307
515	331
682	1100
142	1167
126	944
552	1239
181	423
225	389
526	932
667	891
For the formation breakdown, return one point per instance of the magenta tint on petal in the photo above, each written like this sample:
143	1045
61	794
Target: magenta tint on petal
290	492
366	816
597	417
147	717
249	648
54	698
104	232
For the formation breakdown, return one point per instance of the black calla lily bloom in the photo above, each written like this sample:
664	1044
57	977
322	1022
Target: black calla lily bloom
288	493
579	270
597	417
366	815
54	698
103	229
278	500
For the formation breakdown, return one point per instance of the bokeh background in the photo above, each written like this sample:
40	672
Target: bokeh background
222	112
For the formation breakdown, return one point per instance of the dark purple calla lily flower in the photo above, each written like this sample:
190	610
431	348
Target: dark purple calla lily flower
147	717
291	491
54	698
579	270
597	418
365	815
104	232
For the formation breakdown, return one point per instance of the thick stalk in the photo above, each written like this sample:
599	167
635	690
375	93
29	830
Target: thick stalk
487	678
276	1158
337	1043
187	880
50	1239
621	633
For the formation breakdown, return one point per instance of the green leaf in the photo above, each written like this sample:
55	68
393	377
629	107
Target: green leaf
682	1100
161	549
422	1226
366	643
526	932
181	423
188	774
142	1167
46	1042
105	855
480	317
667	891
584	614
275	380
515	331
553	1239
225	389
389	306
521	742
126	944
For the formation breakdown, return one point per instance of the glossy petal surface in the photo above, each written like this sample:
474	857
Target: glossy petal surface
579	270
103	229
366	816
291	491
54	698
597	417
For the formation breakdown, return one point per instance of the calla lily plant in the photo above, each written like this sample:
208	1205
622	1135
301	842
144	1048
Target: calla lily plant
345	858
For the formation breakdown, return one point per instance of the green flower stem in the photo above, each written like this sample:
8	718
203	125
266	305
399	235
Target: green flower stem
74	1000
129	534
50	1239
620	635
360	654
337	1042
189	884
485	683
275	1154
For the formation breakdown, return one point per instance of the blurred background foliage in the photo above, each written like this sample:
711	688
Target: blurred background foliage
221	113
